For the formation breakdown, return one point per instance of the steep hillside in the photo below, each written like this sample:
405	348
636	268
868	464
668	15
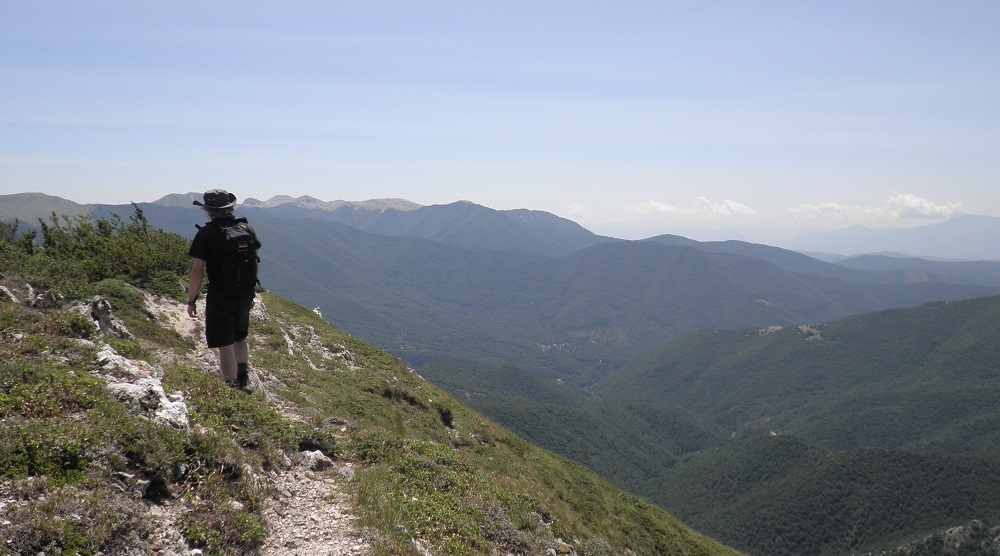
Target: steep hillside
857	435
117	436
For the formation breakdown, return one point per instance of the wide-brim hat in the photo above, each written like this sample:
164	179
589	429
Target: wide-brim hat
217	199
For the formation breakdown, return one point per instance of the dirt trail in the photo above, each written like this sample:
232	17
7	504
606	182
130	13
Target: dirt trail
309	513
309	516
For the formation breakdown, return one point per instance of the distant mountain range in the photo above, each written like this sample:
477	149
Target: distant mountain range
480	287
465	224
964	237
29	207
461	224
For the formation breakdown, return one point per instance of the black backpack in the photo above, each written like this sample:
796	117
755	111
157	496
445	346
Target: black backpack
239	258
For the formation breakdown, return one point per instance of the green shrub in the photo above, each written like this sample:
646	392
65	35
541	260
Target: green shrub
75	253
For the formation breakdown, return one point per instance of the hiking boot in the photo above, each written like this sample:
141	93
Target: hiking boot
242	379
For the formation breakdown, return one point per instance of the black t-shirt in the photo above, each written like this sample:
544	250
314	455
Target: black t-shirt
208	246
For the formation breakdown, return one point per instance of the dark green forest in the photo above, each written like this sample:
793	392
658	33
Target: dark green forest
781	495
924	378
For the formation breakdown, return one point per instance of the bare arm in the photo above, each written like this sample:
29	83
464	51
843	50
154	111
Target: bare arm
197	276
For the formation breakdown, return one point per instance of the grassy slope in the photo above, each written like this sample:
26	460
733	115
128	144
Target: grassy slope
467	488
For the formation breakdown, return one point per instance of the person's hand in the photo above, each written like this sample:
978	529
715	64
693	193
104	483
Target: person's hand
192	310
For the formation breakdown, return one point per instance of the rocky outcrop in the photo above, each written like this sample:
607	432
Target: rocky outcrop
303	341
258	313
7	296
139	387
46	300
109	325
101	314
315	460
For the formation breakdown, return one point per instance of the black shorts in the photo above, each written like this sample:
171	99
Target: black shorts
227	319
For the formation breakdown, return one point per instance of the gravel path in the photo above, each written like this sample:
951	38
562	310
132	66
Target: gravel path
309	516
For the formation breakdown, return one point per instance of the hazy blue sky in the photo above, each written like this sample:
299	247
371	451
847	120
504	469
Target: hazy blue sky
632	118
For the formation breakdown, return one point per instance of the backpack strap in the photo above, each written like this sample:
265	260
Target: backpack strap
220	226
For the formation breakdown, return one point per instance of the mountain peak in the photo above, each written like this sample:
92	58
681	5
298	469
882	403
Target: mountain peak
309	202
29	207
181	200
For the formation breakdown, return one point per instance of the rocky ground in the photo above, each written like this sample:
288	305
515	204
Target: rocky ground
309	516
310	512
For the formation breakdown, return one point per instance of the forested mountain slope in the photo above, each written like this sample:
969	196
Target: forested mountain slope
855	435
558	316
920	378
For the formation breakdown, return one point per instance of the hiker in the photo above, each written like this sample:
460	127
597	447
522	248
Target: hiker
226	248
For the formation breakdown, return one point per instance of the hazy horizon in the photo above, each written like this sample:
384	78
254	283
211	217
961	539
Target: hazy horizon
784	238
761	118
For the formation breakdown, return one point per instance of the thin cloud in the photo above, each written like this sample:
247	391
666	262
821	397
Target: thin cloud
725	208
701	207
904	205
576	209
898	205
654	207
817	211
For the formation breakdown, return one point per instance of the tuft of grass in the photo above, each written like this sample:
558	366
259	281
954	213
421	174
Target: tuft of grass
69	324
446	414
225	515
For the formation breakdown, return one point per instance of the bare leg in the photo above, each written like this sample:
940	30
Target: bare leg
227	361
241	351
